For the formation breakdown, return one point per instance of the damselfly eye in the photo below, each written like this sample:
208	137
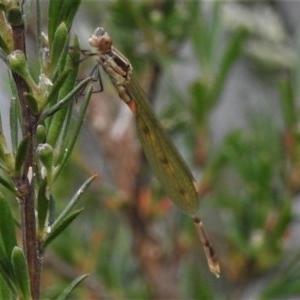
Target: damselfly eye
99	32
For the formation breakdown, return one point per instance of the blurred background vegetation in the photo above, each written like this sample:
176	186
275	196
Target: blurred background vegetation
223	78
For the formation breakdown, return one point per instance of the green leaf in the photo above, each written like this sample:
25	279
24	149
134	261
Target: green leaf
51	217
287	101
32	103
67	291
199	109
59	122
62	160
74	200
7	161
7	234
230	55
55	7
27	11
3	45
21	155
42	207
71	64
68	11
18	63
285	283
8	278
5	292
21	273
57	85
61	11
14	123
66	217
45	154
6	182
66	100
59	45
13	86
60	67
61	227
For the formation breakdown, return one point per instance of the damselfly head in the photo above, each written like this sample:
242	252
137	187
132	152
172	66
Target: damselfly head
101	40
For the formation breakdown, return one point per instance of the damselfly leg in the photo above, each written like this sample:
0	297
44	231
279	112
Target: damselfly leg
94	73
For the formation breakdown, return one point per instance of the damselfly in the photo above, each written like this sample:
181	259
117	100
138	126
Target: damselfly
165	161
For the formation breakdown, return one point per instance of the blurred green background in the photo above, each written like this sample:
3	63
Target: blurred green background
223	78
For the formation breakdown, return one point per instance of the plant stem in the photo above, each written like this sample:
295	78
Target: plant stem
23	182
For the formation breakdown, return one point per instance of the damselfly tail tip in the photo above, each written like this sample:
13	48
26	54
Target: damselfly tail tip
214	267
209	251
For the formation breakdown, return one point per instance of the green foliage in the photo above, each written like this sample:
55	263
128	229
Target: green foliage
20	271
43	209
159	27
14	118
8	241
61	12
255	233
5	292
67	216
21	155
45	126
285	281
7	160
67	291
216	70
